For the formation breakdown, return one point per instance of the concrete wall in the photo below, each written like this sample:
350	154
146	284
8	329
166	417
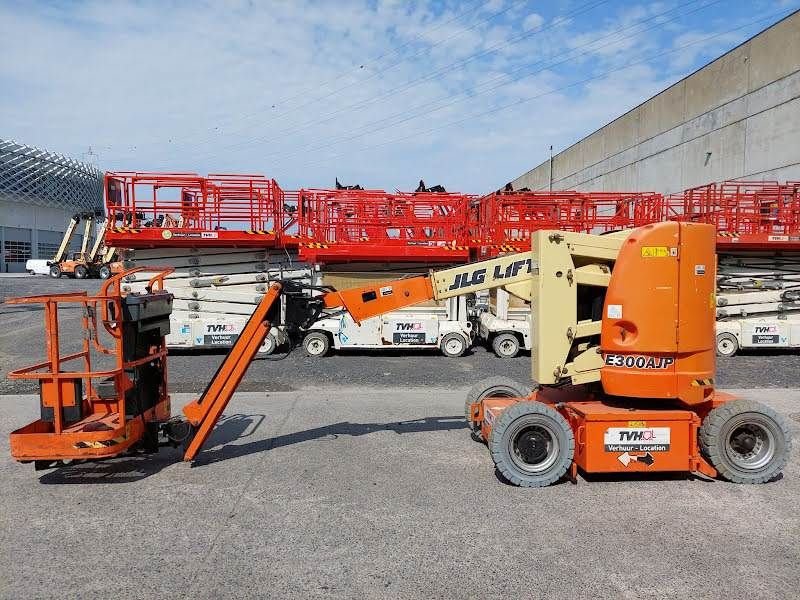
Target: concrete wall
736	118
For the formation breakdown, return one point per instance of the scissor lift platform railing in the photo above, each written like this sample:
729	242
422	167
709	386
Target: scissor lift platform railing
748	215
187	209
374	225
505	220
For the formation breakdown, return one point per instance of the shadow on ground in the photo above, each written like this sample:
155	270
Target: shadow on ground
234	428
226	451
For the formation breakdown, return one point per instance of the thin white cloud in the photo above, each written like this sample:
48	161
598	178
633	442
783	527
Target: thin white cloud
304	91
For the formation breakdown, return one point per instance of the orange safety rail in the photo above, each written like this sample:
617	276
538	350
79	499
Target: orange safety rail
68	382
747	214
348	225
186	209
505	220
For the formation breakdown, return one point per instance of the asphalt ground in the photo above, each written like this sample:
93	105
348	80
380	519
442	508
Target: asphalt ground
357	492
22	332
354	476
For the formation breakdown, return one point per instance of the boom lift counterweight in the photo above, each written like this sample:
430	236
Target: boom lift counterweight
623	358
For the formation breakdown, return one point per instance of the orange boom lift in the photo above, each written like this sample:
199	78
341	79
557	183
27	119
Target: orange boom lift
623	359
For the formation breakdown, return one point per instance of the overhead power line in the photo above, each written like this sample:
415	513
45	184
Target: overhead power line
520	102
446	69
405	116
361	68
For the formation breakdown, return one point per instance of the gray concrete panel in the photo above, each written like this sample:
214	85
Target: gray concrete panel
721	81
775	52
773	138
742	109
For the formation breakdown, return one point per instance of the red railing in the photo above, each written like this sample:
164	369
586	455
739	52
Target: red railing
175	209
184	208
374	224
506	219
751	213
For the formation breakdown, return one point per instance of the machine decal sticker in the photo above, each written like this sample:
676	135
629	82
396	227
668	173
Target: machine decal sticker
627	458
479	276
766	334
655	252
699	269
386	291
405	337
636	439
220	339
638	361
513	269
614	311
465	279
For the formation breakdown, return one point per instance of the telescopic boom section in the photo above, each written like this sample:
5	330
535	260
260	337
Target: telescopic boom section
362	303
61	253
512	272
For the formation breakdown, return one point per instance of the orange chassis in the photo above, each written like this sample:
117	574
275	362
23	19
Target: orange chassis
592	417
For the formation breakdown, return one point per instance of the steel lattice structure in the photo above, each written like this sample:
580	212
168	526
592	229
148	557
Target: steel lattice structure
34	176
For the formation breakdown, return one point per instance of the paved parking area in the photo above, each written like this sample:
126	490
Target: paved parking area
373	492
21	343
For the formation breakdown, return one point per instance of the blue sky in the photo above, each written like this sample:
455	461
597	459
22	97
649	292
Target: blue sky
468	94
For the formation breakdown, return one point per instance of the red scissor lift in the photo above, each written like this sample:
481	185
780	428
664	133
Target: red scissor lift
505	220
753	215
374	225
186	209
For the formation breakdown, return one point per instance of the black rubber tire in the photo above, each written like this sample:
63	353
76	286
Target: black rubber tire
104	272
55	271
316	344
512	424
493	387
81	272
729	343
450	352
505	345
737	415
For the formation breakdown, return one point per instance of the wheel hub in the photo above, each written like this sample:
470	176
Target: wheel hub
531	446
744	442
750	445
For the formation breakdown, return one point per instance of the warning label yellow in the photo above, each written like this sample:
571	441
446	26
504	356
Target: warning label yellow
655	251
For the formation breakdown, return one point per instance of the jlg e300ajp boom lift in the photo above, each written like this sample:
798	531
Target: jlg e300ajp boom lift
624	359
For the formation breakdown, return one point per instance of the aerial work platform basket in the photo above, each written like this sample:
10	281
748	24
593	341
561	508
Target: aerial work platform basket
187	209
506	219
374	225
757	215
